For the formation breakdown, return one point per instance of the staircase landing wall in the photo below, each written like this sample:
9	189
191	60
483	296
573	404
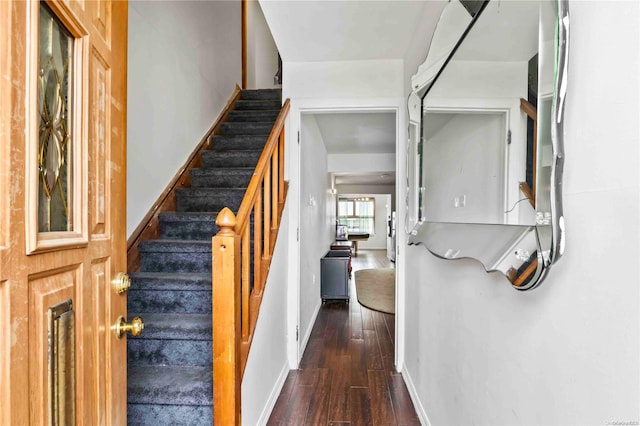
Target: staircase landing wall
184	60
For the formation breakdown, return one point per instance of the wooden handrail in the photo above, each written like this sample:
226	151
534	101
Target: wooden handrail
258	174
532	112
237	292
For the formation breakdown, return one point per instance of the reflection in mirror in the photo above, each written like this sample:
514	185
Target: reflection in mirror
484	154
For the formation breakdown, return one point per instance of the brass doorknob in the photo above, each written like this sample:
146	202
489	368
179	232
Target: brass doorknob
121	283
135	327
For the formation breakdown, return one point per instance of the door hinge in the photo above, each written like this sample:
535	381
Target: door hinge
509	137
298	137
297	333
298	234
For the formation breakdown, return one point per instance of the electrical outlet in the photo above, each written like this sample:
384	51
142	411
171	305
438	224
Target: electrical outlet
460	201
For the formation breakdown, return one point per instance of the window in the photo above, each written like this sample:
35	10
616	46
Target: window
358	214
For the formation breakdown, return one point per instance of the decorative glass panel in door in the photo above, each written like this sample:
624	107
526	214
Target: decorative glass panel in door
55	99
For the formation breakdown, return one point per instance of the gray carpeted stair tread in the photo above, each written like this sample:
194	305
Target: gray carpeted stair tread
169	292
221	178
208	199
188	216
243	105
254	115
231	158
246	128
165	281
174	246
195	230
238	142
188	225
248	94
171	301
196	353
169	415
171	385
175	326
175	255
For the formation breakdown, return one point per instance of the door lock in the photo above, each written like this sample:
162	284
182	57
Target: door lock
135	327
121	283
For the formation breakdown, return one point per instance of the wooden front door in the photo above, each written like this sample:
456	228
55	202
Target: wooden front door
62	211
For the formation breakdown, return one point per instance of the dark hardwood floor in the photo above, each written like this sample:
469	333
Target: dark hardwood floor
347	376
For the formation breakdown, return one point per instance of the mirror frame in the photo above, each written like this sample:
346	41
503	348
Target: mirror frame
550	230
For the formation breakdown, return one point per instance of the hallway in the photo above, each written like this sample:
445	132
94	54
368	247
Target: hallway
347	374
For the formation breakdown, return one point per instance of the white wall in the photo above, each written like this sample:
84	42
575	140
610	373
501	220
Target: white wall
491	87
378	241
317	227
465	160
184	61
262	53
362	162
344	80
566	353
369	189
267	365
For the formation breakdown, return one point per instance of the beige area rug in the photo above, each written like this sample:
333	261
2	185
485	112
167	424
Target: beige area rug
376	289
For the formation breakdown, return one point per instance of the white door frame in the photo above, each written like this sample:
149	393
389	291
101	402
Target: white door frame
307	106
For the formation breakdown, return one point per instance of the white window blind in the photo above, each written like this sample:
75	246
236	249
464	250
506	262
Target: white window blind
358	214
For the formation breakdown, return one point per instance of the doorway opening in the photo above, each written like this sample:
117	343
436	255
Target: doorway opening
347	179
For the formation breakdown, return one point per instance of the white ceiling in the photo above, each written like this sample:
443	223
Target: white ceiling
312	30
351	30
358	132
507	31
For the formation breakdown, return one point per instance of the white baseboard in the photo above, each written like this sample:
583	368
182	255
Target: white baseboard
273	396
307	333
417	404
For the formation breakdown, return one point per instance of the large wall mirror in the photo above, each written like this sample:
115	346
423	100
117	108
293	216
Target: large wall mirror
485	152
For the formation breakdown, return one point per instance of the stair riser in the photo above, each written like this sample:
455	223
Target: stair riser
220	179
168	282
175	415
194	201
216	159
243	105
229	144
271	94
233	129
200	230
169	352
253	116
195	231
203	204
154	384
175	262
169	301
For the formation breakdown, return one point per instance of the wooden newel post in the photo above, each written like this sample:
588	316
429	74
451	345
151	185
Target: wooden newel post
225	251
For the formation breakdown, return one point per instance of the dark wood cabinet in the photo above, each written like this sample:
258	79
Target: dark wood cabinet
334	275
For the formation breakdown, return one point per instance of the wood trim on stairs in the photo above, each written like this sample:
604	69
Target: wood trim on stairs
244	43
149	226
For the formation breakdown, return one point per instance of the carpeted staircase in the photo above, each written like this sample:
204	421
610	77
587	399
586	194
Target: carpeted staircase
170	363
